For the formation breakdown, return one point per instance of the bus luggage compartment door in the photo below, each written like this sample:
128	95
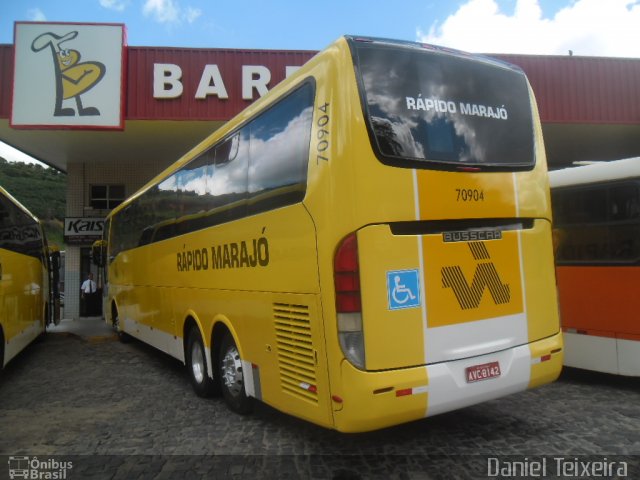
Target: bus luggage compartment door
429	299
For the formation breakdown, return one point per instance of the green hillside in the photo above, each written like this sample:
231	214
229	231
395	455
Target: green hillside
41	190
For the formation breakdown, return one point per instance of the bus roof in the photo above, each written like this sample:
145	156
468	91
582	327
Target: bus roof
497	62
595	173
18	204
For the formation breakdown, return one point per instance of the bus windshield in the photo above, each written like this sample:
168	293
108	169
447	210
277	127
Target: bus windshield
19	232
430	110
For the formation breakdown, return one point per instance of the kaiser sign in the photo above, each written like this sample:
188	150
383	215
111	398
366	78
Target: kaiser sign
82	230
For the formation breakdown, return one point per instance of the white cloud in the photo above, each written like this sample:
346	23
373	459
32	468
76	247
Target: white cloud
163	11
587	27
117	5
36	15
192	14
169	11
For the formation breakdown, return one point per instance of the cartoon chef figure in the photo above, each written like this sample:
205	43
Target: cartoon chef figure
72	78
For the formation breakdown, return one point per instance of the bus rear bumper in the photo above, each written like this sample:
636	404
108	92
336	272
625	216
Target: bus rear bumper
381	399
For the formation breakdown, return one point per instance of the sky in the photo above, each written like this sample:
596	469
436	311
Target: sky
539	27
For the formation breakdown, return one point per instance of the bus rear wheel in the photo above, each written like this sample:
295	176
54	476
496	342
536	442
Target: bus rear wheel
202	383
122	336
232	378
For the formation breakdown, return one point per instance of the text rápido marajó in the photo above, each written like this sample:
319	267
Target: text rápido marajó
243	254
448	106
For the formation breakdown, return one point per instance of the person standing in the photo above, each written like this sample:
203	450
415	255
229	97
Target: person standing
87	296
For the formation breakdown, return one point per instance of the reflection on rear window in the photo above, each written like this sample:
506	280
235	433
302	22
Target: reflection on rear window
429	106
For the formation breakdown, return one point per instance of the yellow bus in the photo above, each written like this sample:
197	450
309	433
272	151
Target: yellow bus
597	227
27	303
366	245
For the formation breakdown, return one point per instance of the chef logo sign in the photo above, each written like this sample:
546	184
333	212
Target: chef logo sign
68	75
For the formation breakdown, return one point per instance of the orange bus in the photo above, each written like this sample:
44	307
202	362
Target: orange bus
597	230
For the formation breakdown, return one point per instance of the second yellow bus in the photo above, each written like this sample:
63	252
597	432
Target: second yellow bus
28	290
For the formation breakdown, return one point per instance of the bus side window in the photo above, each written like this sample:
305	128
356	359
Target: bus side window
279	152
624	202
191	182
228	180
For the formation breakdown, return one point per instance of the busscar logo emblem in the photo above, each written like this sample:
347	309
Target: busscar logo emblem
469	295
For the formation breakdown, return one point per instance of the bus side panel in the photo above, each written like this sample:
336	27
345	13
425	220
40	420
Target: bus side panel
394	334
260	253
280	339
261	277
598	313
629	355
591	352
599	299
540	282
283	337
21	302
133	320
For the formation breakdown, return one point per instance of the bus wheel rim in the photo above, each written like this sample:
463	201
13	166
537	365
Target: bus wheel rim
197	363
232	371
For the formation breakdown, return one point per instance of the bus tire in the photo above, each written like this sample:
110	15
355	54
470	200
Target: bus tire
202	383
232	378
122	336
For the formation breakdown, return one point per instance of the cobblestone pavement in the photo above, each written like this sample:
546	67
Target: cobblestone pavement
127	411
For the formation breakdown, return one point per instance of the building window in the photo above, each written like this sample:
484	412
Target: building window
106	197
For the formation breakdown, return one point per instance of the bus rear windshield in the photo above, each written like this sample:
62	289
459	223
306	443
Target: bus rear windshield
431	109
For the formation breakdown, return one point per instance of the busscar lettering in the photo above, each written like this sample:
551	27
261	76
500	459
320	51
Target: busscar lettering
471	236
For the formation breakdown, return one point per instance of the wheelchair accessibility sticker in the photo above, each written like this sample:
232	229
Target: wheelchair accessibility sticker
403	288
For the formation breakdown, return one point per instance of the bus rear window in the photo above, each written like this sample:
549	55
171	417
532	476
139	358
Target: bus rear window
437	110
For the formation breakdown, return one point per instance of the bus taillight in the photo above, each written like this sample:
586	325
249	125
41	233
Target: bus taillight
348	302
347	276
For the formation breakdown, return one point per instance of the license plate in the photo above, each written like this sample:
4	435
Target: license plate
477	373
